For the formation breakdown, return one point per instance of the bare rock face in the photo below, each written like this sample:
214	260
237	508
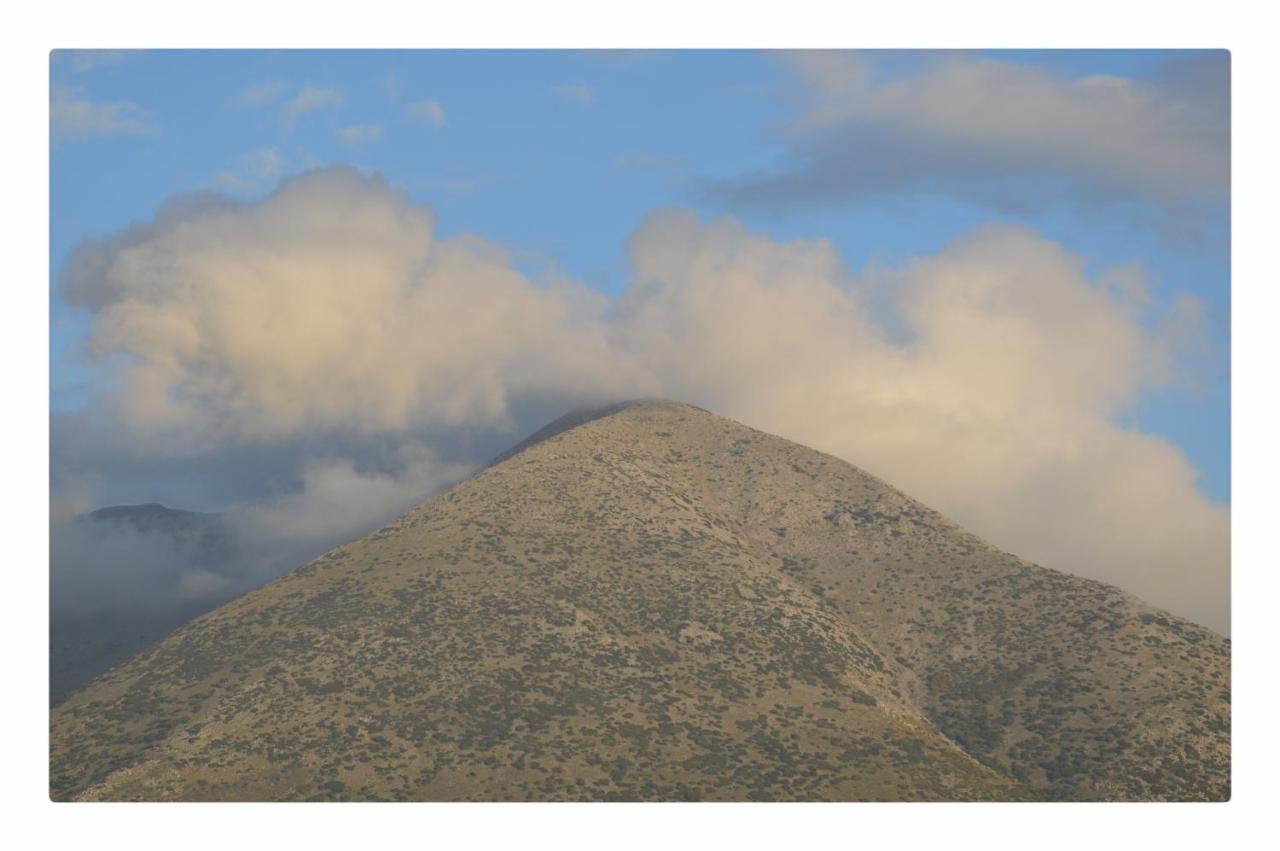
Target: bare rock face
658	603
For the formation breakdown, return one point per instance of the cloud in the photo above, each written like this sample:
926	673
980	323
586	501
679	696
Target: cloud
310	99
578	93
329	305
336	502
1003	133
359	134
106	567
428	111
262	94
996	403
74	116
986	379
99	567
252	172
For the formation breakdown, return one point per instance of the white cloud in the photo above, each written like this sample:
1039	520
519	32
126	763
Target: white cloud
328	305
998	408
578	93
113	567
428	111
993	394
310	99
359	134
1004	132
262	94
72	115
335	502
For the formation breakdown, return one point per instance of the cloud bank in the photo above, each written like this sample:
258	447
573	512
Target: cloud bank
1004	133
116	567
986	379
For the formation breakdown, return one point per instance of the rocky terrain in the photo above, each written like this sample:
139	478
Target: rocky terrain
656	603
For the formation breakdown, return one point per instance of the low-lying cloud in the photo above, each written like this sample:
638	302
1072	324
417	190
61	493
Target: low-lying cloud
986	380
335	502
117	566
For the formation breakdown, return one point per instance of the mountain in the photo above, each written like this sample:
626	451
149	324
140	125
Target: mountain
208	535
84	642
654	602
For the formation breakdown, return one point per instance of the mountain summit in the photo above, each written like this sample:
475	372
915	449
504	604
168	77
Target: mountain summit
654	602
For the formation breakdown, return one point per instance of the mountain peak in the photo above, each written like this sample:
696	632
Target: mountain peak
648	601
581	416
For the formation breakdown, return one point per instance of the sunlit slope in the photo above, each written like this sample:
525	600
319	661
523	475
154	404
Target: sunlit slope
659	603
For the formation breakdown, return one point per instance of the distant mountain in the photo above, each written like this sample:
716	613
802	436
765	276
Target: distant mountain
654	602
211	539
85	643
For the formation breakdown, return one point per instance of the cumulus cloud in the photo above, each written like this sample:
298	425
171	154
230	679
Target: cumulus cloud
72	115
995	402
328	305
986	380
427	111
1004	133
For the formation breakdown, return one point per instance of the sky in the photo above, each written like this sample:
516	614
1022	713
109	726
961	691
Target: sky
311	287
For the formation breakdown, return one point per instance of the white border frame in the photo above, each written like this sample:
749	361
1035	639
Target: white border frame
29	36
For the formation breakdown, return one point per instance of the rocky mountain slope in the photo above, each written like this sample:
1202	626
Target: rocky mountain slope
659	603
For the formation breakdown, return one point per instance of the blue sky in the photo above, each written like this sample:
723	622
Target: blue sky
559	156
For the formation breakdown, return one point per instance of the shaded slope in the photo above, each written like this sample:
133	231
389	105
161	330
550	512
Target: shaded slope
661	603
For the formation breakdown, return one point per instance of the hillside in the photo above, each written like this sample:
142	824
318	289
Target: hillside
659	603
